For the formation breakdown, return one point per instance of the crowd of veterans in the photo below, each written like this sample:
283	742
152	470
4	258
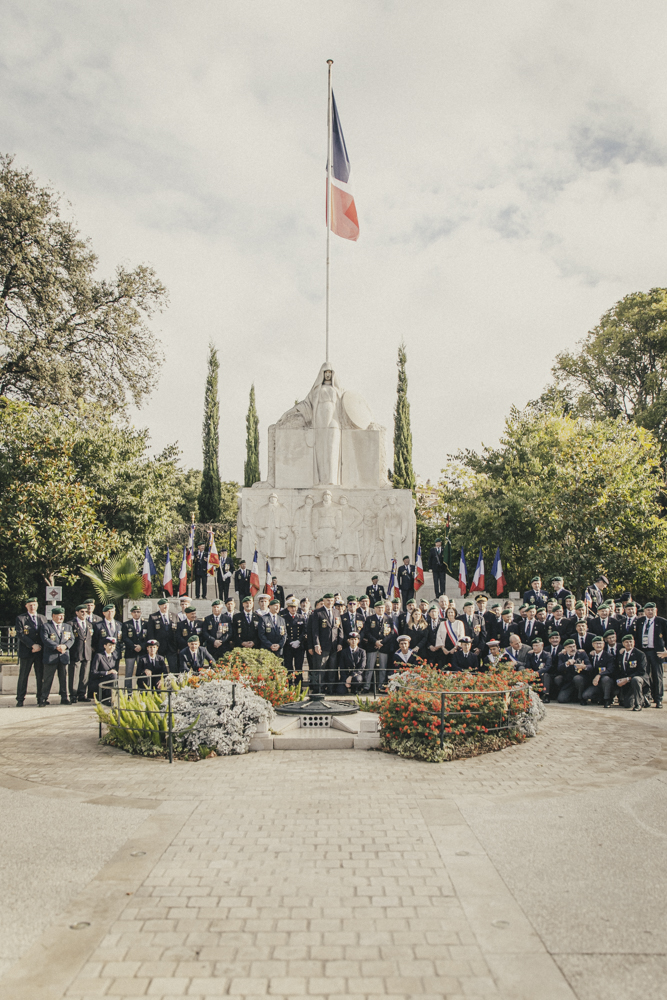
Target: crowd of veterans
592	650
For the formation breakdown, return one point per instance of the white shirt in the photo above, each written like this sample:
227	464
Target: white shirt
647	636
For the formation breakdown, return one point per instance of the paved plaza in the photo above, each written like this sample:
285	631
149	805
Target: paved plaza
531	874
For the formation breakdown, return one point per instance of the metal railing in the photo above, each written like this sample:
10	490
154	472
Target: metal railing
9	643
444	712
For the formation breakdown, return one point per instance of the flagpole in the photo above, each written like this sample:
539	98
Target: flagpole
329	198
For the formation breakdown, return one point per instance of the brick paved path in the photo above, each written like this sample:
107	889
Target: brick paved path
333	874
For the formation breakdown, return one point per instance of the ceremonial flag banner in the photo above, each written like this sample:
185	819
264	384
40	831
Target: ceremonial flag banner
497	573
392	589
191	547
183	575
254	576
148	572
268	586
478	578
167	584
419	569
463	575
213	560
344	221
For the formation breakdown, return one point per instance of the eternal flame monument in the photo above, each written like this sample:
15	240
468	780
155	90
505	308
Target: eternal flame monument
327	517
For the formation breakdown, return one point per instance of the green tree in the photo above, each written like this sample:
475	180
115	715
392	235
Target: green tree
403	475
563	494
251	473
620	368
66	334
209	495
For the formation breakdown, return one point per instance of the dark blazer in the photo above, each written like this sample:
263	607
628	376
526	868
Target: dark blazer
588	641
503	633
435	562
604	664
164	634
271	635
82	647
378	629
28	635
158	666
560	596
563	626
636	665
537	629
463	661
350	624
543	662
279	594
132	638
50	639
194	661
200	563
220	631
186	629
418	637
567	670
352	663
242	582
321	632
469	627
225	567
376	593
659	634
406	578
295	628
103	665
536	597
598	626
102	632
244	630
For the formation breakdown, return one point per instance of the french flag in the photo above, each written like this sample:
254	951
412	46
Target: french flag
497	573
419	570
191	547
147	573
183	575
344	221
463	575
167	583
478	578
268	586
213	558
254	576
392	589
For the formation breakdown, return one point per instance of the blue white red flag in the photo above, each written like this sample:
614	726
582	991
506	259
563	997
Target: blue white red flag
254	576
419	569
191	546
147	573
463	575
392	589
213	560
268	586
497	573
344	221
183	575
167	583
478	578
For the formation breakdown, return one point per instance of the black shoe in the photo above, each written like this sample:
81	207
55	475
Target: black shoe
41	704
19	704
582	701
607	704
65	701
658	704
637	708
546	699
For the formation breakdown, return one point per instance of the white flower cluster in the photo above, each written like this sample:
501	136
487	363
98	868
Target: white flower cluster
403	679
215	723
528	722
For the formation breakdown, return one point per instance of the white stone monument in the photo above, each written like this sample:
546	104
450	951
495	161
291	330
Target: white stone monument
327	517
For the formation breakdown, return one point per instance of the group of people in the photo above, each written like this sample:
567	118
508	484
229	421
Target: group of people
591	650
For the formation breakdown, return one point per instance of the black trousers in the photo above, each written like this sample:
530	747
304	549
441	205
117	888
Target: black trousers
50	671
632	694
323	675
439	581
26	664
407	595
223	587
655	665
77	676
200	585
603	689
293	659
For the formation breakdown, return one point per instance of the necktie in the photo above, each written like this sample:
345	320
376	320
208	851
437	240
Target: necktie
137	626
34	620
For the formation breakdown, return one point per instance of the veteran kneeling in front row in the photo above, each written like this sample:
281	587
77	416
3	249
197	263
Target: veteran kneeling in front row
152	666
105	668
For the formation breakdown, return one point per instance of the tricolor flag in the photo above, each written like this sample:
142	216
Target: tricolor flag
463	575
191	546
183	575
147	573
268	586
213	560
419	570
254	576
392	589
497	572
478	578
344	221
167	584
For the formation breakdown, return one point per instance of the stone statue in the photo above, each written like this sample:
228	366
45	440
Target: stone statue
304	543
327	529
368	539
348	548
392	529
272	527
322	414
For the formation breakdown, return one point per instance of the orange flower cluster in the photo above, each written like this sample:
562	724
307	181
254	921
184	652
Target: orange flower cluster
259	670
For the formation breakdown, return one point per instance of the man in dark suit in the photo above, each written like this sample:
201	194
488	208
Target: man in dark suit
536	595
558	590
554	648
630	675
594	592
200	571
225	573
473	622
325	638
278	591
489	618
194	657
540	661
56	640
601	677
351	619
109	628
80	655
352	666
603	621
245	625
242	581
438	568
571	671
530	628
652	634
629	622
295	641
28	628
162	626
464	658
377	639
191	626
272	631
135	636
406	580
218	630
375	591
151	666
90	613
582	637
104	668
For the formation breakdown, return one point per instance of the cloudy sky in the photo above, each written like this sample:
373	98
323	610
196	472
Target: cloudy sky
508	164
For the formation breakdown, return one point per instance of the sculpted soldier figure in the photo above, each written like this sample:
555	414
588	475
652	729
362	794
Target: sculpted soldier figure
272	524
327	529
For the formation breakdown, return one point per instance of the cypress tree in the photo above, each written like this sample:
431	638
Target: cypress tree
210	494
251	469
404	476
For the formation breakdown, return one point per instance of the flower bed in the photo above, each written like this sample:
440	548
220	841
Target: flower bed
490	710
258	669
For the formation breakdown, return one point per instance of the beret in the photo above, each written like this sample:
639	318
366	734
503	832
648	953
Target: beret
468	604
536	640
163	600
580	604
598	638
536	579
190	608
215	602
395	600
625	637
556	579
350	597
411	601
376	577
81	607
135	607
109	607
554	635
57	610
438	540
631	604
327	596
557	607
650	604
434	606
273	602
569	642
379	604
32	600
610	631
247	599
506	611
193	638
496	605
363	597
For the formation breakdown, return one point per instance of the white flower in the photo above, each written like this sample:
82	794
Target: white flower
215	723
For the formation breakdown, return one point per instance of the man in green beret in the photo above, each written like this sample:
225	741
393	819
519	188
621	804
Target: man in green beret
80	656
218	630
109	628
191	626
57	640
162	625
194	657
535	595
135	637
631	675
325	639
375	590
652	632
245	625
28	628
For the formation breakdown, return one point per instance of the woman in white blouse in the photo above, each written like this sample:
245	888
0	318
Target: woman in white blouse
449	634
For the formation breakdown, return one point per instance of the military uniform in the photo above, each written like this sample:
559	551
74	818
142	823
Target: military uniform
375	592
272	632
326	631
245	628
158	668
295	632
80	656
185	631
219	631
52	636
377	628
225	575
242	582
134	633
163	628
538	598
194	660
109	630
28	633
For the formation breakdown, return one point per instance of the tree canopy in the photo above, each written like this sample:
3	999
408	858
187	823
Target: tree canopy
65	334
563	494
209	496
403	475
251	473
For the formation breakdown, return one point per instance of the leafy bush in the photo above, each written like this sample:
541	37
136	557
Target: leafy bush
260	670
209	717
139	720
